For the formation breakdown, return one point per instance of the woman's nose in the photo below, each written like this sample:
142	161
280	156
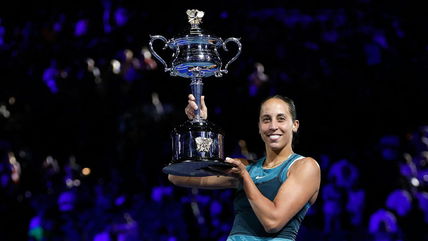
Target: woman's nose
273	125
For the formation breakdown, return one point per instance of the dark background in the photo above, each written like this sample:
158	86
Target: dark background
356	70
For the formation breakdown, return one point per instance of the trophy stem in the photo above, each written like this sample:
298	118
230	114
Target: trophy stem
197	86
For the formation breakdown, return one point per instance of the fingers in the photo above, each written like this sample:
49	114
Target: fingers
204	109
203	106
191	97
238	168
189	112
232	161
192	101
192	106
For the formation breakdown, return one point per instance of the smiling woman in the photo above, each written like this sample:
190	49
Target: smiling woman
277	124
273	193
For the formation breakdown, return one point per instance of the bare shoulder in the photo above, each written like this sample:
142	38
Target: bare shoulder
305	166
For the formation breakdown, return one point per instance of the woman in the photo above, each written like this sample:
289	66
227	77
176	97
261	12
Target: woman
273	193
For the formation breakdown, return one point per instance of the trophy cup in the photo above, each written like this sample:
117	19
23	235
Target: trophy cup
197	145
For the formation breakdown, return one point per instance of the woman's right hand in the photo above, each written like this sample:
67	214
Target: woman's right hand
192	106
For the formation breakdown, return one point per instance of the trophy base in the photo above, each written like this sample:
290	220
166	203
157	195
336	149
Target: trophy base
196	168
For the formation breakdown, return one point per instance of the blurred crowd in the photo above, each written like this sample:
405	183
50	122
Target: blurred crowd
86	113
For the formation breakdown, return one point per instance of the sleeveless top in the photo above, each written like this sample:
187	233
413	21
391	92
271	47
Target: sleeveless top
246	225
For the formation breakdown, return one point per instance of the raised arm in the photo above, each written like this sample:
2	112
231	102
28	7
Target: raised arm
301	187
209	182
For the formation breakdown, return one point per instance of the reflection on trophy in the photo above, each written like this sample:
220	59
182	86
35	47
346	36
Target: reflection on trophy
197	145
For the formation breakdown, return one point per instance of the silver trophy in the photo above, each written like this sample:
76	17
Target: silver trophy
197	145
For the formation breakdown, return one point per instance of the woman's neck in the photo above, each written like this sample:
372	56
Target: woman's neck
274	159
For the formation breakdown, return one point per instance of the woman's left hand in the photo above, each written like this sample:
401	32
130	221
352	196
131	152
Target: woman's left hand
238	170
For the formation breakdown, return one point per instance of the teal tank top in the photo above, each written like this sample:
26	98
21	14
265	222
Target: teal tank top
246	225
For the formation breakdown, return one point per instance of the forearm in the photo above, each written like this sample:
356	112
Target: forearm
209	182
185	181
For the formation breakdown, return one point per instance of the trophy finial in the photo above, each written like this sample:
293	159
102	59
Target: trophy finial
195	17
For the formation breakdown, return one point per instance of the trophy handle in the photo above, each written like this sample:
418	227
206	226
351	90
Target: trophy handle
235	40
152	39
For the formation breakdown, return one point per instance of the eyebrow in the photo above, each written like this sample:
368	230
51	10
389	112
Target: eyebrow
267	115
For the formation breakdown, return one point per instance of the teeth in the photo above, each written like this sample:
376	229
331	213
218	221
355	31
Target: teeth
274	137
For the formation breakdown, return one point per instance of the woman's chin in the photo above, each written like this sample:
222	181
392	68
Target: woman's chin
276	147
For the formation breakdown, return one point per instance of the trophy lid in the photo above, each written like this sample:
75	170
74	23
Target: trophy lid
195	19
195	34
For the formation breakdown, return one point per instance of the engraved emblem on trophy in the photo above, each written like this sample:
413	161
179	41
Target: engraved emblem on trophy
197	145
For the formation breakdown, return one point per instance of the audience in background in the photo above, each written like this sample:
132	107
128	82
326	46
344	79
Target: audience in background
85	115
